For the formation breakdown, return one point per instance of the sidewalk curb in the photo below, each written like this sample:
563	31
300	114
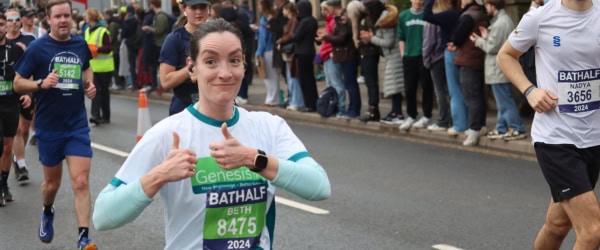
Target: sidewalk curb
519	148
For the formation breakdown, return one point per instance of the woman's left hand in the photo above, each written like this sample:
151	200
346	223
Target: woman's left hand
229	153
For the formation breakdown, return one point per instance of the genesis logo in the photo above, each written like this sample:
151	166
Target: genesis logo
556	41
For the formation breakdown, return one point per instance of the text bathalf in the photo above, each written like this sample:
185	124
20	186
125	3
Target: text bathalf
579	76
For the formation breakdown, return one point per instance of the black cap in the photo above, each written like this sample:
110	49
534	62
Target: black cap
27	12
194	2
335	3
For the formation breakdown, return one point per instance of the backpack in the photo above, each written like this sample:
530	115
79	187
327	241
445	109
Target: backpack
327	102
172	21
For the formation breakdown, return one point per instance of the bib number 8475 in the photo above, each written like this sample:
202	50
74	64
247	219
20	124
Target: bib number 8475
579	96
237	226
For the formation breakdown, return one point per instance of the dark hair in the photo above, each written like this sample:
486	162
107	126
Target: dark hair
2	16
374	9
267	7
218	25
291	7
499	4
156	3
52	3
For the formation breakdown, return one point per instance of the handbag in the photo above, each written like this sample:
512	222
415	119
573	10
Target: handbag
287	48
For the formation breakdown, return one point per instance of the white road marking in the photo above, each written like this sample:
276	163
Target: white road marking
283	201
301	206
109	150
445	247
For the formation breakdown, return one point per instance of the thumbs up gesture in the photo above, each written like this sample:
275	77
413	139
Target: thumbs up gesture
180	163
230	153
50	81
90	89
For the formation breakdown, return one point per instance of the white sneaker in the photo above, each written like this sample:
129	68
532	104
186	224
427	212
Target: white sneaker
472	137
407	123
360	79
435	127
422	123
452	131
241	101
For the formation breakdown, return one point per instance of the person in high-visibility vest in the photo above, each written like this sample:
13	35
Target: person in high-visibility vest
98	39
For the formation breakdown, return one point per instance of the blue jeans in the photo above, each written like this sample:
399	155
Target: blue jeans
333	78
350	70
508	114
458	109
296	99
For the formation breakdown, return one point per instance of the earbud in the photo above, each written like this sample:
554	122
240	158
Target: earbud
191	68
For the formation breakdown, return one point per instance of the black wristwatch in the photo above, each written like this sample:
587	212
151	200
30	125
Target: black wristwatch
260	161
39	83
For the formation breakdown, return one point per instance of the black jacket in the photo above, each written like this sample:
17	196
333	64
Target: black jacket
306	30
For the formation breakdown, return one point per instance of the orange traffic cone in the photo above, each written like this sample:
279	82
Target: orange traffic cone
143	123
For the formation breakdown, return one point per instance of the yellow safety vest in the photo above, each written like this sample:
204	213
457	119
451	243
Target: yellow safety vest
104	61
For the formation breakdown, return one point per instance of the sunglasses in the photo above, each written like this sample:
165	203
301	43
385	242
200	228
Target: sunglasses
13	19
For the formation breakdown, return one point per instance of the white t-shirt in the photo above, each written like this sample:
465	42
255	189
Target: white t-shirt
567	57
226	209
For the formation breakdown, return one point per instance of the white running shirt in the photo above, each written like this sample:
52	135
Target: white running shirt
567	58
226	209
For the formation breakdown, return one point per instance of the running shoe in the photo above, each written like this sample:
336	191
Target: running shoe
6	195
46	232
85	244
21	173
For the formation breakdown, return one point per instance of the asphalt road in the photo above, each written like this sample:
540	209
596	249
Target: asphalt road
386	194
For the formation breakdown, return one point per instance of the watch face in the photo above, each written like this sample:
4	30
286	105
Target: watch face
260	162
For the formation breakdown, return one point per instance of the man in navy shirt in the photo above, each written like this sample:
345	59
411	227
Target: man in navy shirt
57	68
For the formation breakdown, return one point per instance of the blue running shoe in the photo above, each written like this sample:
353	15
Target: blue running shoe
46	228
85	244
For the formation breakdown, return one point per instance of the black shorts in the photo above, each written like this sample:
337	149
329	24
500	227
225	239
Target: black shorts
569	171
9	121
27	113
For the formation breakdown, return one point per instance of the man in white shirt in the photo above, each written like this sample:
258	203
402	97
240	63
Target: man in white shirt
566	36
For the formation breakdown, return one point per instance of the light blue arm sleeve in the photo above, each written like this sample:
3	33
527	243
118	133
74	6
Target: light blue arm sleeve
119	205
304	178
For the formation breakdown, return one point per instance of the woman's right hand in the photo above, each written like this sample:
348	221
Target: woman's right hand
180	163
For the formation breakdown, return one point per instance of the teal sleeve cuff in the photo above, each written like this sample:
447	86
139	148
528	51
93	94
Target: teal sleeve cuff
304	178
119	205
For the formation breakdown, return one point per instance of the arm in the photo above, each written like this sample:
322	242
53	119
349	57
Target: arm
161	25
340	34
106	44
495	39
25	85
384	38
117	206
170	77
304	178
541	100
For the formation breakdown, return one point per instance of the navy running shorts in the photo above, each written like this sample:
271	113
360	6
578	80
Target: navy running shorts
568	170
53	147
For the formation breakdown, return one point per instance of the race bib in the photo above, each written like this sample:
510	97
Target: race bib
6	88
69	75
578	91
235	205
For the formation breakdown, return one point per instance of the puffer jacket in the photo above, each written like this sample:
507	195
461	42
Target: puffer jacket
386	38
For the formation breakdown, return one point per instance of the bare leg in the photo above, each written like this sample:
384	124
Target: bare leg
584	212
51	183
5	160
21	138
554	230
79	170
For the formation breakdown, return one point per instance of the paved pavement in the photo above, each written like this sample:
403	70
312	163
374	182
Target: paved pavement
256	92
